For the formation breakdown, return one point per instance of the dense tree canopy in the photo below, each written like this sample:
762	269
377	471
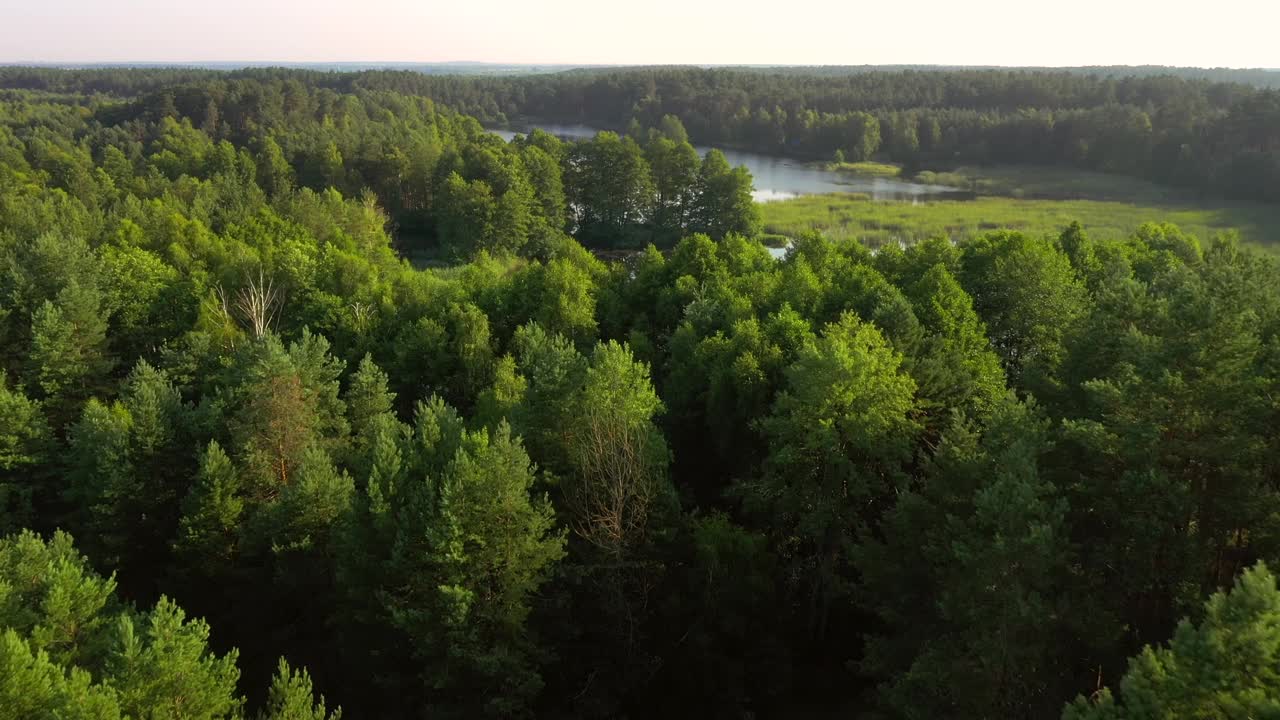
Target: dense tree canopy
1209	130
515	477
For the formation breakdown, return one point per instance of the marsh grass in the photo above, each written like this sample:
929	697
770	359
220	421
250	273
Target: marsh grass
874	169
841	216
1051	182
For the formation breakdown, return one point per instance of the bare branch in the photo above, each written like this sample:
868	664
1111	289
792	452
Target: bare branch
258	304
617	483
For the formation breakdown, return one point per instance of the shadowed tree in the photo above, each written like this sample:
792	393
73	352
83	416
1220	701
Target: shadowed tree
838	436
1225	666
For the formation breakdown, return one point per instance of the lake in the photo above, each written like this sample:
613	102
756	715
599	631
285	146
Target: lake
781	178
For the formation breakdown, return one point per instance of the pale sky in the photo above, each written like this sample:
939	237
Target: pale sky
1226	33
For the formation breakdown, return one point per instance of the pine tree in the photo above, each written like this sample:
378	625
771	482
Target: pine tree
209	531
130	471
283	402
50	596
32	686
369	402
161	666
69	354
459	545
25	446
970	568
24	434
367	396
292	698
1226	666
104	485
70	649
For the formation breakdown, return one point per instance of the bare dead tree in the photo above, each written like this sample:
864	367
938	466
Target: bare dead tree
617	481
258	304
610	497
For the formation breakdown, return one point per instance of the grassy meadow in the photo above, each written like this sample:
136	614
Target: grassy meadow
1030	199
1050	182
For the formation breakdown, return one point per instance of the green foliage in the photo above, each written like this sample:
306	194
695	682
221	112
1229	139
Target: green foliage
467	218
454	544
1171	406
68	649
970	565
1225	666
1028	295
285	401
561	298
729	652
148	303
34	688
69	354
290	698
609	184
724	204
957	369
274	172
211	513
919	463
838	437
161	667
128	461
675	169
368	400
541	397
617	457
25	444
51	598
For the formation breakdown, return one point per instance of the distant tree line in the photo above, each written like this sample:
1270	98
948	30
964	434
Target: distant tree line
1187	129
1258	77
1212	137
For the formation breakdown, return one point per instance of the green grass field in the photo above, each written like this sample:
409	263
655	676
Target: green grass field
874	223
1029	182
1028	198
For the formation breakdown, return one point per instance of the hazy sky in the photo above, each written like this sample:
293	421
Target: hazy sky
1229	33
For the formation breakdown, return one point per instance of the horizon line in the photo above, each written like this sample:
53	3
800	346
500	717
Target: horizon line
270	63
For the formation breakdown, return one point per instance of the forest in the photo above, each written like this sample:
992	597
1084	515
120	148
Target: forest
1215	133
317	400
